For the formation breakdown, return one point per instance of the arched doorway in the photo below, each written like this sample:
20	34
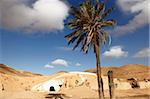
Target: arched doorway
52	88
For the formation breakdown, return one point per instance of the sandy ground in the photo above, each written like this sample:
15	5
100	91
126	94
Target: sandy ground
74	94
16	87
19	87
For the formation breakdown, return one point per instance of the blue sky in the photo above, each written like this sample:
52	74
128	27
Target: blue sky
42	48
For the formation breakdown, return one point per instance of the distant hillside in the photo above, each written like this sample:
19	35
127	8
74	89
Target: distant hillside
10	71
127	71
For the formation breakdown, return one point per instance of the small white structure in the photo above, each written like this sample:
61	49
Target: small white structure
69	80
77	79
49	86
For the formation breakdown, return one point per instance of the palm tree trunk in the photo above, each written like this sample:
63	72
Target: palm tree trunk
99	77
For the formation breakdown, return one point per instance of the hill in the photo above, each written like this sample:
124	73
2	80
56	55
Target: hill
76	84
138	71
10	71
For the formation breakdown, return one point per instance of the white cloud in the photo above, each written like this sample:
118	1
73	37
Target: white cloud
143	53
60	62
48	66
78	64
115	52
138	8
40	15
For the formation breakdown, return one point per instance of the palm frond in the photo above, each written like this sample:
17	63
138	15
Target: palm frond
104	37
107	12
72	35
101	9
83	43
84	10
72	40
76	12
108	23
80	38
87	24
89	38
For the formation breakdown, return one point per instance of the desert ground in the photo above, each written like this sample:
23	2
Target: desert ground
16	84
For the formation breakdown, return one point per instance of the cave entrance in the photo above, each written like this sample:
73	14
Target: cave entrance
52	88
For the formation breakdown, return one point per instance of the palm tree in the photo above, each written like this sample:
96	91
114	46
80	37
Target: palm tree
87	24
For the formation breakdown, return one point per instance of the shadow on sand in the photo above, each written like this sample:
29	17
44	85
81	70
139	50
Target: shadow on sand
64	96
57	96
135	97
